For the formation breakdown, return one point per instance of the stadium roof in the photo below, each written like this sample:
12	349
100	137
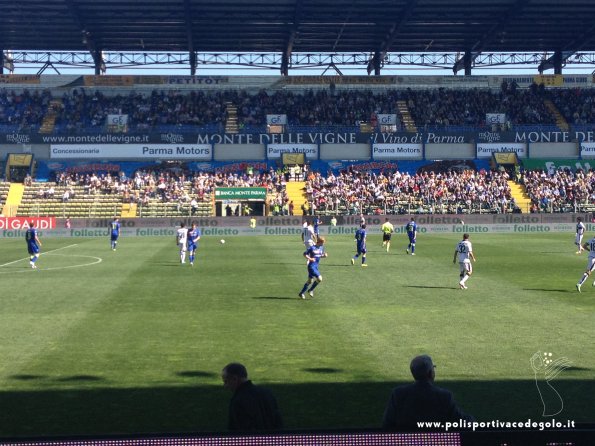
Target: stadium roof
303	26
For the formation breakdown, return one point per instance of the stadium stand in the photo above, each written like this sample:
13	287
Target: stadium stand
342	109
308	110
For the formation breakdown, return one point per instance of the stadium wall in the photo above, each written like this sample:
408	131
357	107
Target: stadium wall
560	150
231	152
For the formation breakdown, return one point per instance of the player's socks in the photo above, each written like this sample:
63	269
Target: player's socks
305	288
412	249
363	260
314	285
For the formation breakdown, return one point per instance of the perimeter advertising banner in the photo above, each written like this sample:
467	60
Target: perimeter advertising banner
587	149
274	151
295	230
548	164
134	151
397	151
485	149
25	222
17	136
240	193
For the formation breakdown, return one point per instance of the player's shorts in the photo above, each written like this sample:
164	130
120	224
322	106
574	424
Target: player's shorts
182	247
114	236
361	249
466	267
192	246
591	264
411	238
386	236
578	239
313	272
309	243
32	248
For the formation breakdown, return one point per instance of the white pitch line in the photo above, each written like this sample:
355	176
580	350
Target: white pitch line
81	265
47	252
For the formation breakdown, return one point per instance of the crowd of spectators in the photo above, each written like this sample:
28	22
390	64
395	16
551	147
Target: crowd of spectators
206	110
185	188
577	105
400	192
439	108
347	192
559	190
196	109
24	110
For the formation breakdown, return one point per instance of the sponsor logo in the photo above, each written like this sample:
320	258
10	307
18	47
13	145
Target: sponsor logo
24	223
18	138
172	138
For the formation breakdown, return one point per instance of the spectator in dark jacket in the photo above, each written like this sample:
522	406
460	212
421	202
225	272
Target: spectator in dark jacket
251	407
421	401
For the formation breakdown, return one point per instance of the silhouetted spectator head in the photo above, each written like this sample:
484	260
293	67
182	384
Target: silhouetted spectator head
234	375
422	368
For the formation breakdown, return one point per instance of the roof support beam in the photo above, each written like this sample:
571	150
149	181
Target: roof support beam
465	62
293	33
497	30
556	61
190	36
15	60
374	64
87	39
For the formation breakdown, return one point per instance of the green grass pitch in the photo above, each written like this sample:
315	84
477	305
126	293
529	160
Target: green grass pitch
101	342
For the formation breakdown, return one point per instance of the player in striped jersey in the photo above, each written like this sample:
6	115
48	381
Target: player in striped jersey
589	246
464	251
580	231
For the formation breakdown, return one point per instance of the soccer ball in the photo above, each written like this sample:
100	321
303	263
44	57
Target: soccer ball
222	241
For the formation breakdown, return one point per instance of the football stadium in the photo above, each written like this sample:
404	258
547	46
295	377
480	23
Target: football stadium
336	251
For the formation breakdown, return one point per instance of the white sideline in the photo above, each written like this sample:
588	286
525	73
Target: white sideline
47	252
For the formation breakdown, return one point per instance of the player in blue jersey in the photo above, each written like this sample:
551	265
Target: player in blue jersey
317	223
193	238
33	244
313	255
411	229
114	228
360	245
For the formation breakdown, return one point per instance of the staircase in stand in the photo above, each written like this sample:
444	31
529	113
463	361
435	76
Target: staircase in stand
521	198
296	193
231	125
13	199
129	210
49	120
560	120
406	117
